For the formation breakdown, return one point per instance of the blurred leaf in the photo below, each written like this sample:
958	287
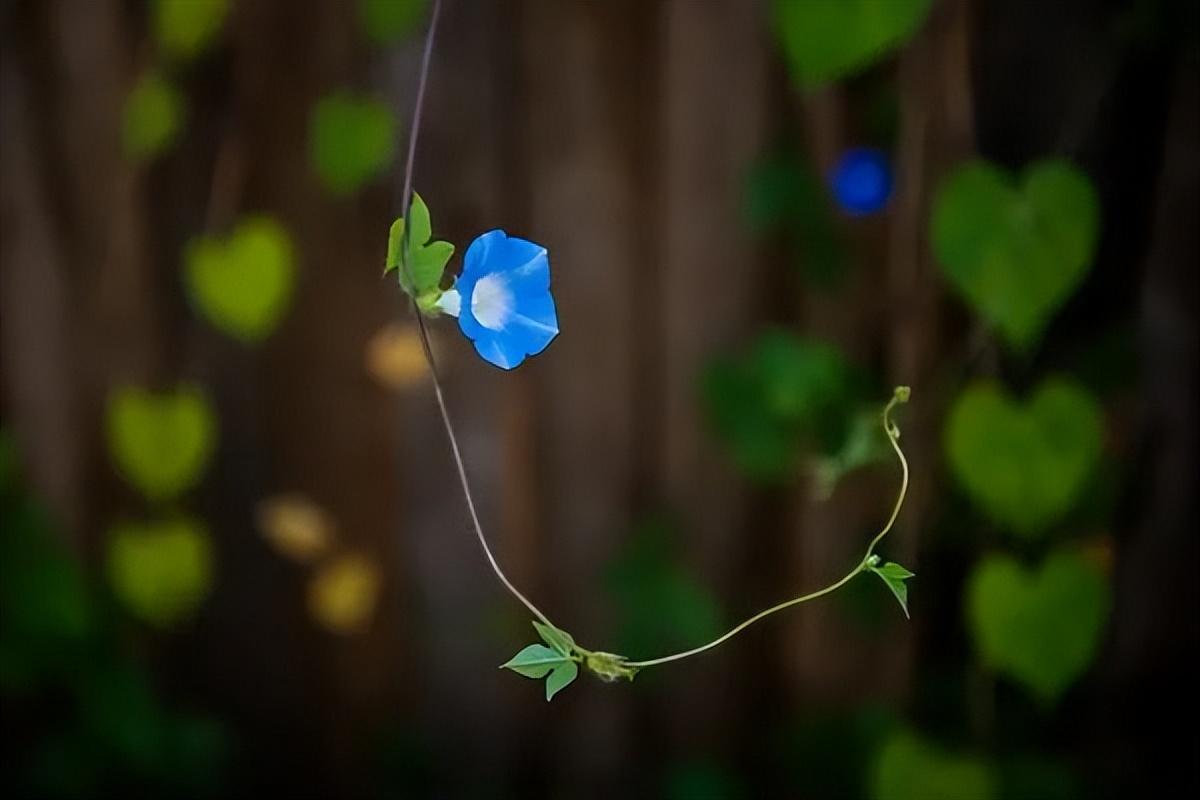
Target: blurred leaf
661	606
395	357
785	195
343	594
389	21
909	768
1038	778
185	28
153	115
160	571
1041	628
427	260
786	392
1016	253
702	780
242	285
825	40
352	141
895	576
161	443
295	526
1024	465
865	443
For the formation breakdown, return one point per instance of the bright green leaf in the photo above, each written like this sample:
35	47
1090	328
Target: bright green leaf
242	284
427	259
185	28
559	640
1016	252
1041	628
895	576
825	40
352	141
160	571
161	443
910	768
388	21
560	678
535	661
1024	465
152	117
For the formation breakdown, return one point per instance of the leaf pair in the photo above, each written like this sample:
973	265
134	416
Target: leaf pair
894	576
421	276
558	660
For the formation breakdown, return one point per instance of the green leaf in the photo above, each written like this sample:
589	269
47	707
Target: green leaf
185	28
1024	465
1042	628
910	768
560	678
825	40
1016	252
243	284
352	141
895	576
427	259
535	661
389	21
152	117
561	641
160	571
161	443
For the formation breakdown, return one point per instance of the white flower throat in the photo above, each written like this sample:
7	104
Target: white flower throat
492	302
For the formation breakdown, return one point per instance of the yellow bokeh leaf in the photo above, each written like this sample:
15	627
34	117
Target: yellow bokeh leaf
295	526
394	356
343	593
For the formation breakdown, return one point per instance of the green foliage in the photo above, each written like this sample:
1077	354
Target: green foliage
556	663
1016	253
1024	465
786	392
185	28
426	259
1040	628
153	115
895	576
243	284
825	40
785	196
161	443
160	571
660	604
910	768
352	141
389	21
864	443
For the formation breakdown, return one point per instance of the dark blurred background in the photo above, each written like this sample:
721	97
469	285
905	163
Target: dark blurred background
234	555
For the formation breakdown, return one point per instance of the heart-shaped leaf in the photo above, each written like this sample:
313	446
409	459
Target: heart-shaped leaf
152	117
352	141
1040	628
242	285
1016	252
1024	465
910	768
426	259
828	39
161	443
160	571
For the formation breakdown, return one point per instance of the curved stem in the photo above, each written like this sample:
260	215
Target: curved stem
868	560
405	205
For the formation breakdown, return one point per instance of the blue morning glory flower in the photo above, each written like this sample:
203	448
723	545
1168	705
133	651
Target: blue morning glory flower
862	181
502	299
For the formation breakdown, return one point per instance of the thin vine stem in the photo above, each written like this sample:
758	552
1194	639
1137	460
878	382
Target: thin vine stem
868	560
406	206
